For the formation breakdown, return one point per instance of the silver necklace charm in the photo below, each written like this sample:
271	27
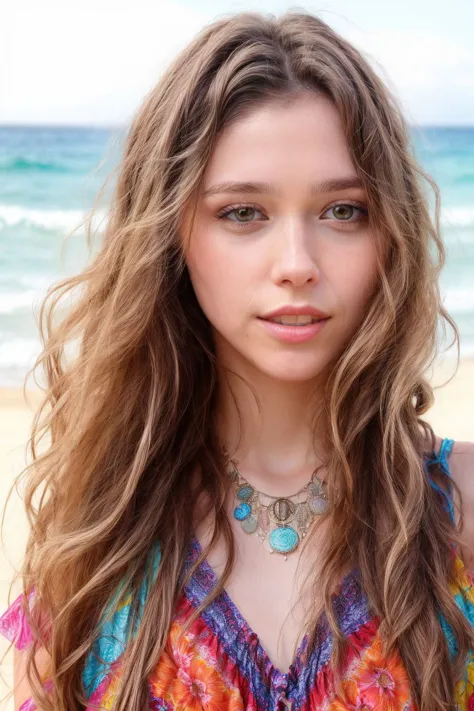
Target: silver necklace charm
282	519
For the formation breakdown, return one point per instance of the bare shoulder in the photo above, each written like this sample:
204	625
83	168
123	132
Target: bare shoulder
461	465
21	687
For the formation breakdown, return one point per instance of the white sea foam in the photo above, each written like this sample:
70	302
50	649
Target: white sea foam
460	216
18	356
459	300
34	281
61	220
30	299
14	300
19	353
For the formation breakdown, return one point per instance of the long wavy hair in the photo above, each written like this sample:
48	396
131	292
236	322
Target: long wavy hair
130	413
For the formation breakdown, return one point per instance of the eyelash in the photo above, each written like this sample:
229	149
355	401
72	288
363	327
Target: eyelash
232	208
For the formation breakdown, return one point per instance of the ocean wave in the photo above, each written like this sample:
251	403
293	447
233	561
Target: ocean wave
32	296
13	300
19	353
464	179
64	220
461	216
34	281
459	300
21	164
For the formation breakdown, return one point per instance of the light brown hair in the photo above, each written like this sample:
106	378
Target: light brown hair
132	415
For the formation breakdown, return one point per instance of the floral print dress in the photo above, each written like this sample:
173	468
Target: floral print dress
221	665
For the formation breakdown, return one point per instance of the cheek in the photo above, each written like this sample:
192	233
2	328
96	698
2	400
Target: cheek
218	279
356	276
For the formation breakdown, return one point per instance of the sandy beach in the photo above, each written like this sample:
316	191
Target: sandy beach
452	416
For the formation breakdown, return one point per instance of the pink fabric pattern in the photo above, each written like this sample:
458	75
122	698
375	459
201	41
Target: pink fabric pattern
13	624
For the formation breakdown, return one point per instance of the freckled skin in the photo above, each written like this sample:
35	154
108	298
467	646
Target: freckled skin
287	252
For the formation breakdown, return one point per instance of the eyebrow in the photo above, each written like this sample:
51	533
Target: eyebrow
260	188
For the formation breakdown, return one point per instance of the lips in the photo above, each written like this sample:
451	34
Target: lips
300	320
296	313
291	333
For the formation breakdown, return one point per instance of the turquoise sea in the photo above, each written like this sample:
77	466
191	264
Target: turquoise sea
50	176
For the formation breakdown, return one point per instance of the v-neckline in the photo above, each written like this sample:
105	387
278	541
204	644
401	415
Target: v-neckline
209	580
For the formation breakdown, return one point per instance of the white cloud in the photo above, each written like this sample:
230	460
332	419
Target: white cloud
425	69
87	61
93	61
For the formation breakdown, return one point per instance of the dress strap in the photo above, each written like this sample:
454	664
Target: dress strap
441	458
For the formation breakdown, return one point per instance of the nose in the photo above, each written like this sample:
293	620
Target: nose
294	259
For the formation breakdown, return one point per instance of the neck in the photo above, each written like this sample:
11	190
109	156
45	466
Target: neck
273	440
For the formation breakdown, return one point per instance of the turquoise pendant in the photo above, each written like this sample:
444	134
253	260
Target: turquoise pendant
242	511
245	492
284	539
250	524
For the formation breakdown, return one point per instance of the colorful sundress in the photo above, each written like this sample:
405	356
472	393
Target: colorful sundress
220	664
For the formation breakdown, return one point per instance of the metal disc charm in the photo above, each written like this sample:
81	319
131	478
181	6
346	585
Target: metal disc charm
283	510
284	539
318	504
250	524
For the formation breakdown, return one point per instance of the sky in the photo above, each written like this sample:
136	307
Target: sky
91	62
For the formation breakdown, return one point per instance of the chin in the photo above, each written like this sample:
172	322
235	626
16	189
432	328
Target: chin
293	365
297	371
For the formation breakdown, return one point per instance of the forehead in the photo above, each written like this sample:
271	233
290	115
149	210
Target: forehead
303	140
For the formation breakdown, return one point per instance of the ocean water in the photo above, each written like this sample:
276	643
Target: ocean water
50	176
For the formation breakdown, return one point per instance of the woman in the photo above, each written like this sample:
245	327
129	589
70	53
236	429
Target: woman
243	507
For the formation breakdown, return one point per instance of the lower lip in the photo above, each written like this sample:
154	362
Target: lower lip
294	334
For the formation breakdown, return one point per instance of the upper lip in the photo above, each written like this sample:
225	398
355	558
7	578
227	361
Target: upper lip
294	310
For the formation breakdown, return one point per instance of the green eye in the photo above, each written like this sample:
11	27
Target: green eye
243	211
344	211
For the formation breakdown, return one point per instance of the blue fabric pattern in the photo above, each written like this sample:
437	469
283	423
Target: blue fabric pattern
461	599
442	459
115	631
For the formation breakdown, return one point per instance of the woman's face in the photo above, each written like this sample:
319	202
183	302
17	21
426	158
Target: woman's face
272	233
